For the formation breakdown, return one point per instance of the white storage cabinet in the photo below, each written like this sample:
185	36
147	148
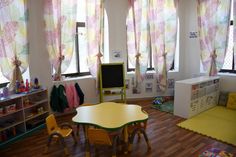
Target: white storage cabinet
193	96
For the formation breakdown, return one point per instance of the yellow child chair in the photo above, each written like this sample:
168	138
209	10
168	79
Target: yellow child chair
139	127
58	133
101	137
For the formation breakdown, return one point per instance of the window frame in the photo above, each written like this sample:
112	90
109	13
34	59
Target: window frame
78	73
233	70
2	85
149	68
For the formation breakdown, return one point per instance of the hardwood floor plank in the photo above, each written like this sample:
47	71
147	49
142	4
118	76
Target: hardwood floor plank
166	139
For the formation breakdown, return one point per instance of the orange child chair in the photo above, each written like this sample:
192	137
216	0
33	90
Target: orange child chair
58	133
139	128
101	137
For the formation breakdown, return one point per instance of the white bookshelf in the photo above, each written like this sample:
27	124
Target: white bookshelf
22	113
193	96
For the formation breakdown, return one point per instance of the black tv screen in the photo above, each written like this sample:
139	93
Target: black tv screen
112	75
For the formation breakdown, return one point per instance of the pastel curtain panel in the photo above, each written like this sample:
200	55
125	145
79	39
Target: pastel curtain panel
13	39
138	39
213	24
163	30
95	35
60	27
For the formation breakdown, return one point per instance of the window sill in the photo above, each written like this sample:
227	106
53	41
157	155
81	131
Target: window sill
226	74
221	74
152	72
68	79
3	84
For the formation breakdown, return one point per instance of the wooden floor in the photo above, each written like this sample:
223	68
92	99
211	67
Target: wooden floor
167	140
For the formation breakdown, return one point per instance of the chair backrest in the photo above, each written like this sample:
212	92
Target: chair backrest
98	137
51	123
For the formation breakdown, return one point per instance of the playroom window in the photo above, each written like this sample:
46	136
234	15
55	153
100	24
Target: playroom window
3	80
78	65
175	64
229	62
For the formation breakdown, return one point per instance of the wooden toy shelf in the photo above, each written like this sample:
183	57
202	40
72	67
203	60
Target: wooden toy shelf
20	114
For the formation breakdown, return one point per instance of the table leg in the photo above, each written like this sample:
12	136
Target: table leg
87	152
126	139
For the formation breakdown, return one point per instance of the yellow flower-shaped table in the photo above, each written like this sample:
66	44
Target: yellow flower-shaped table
110	116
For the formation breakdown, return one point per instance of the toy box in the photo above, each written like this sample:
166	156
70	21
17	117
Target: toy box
215	152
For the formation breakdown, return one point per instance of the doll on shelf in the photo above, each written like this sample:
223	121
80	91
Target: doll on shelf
27	87
36	83
22	87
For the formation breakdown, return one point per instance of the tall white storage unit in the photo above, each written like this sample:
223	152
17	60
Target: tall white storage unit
195	95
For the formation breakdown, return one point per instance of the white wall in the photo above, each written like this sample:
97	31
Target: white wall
189	52
38	55
228	83
190	46
117	12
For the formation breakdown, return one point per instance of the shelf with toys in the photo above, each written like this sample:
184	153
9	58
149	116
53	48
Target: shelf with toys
12	132
9	113
36	120
34	115
10	107
11	124
22	112
35	104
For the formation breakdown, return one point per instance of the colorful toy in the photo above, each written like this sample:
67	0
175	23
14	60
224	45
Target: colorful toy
225	154
36	83
27	87
164	103
158	100
215	152
22	87
5	92
167	98
17	88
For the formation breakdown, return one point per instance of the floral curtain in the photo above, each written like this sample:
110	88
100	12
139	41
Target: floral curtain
60	27
138	40
213	24
95	35
163	30
13	39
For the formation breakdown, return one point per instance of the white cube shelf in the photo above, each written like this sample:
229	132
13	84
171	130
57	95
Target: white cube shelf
193	96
